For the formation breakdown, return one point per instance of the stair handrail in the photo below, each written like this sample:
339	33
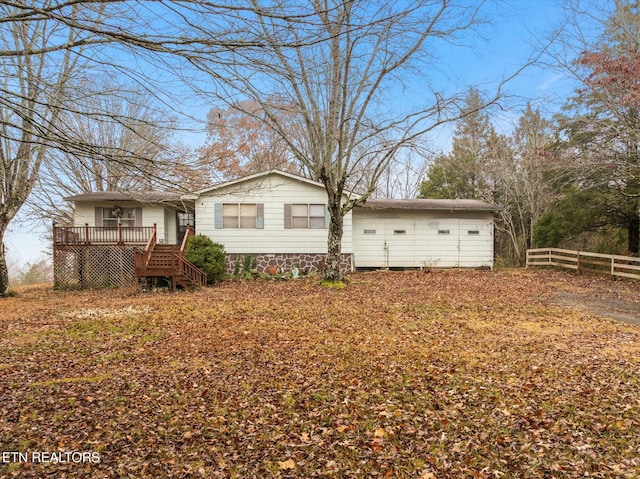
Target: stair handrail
190	270
153	240
187	234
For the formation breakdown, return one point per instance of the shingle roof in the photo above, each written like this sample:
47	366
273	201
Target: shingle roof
430	204
142	196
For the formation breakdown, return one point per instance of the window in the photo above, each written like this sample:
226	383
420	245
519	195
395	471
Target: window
443	232
115	215
239	215
473	232
301	216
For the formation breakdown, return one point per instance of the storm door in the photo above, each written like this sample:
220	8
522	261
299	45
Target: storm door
184	219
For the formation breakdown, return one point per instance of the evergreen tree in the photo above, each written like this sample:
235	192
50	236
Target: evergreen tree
601	126
513	172
465	173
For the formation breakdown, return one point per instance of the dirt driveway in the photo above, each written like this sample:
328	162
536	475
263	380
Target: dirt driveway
596	294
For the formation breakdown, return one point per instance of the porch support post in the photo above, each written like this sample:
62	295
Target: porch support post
86	233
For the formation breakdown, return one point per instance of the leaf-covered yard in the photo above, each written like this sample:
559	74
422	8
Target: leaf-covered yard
412	375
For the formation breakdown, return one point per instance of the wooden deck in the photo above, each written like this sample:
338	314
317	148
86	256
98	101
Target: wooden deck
150	259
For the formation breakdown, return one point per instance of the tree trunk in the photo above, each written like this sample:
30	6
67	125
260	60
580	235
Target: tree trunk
4	271
633	228
332	270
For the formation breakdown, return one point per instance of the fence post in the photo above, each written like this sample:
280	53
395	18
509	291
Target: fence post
120	233
86	233
613	268
578	262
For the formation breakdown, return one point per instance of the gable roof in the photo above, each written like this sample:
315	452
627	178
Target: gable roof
142	196
430	204
262	174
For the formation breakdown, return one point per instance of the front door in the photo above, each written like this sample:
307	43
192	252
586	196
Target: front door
184	219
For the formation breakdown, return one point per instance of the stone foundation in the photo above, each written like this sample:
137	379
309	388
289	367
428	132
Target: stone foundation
285	262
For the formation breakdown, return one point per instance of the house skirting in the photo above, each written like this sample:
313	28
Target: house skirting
285	262
93	266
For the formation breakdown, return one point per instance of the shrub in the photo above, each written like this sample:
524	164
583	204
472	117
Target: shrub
245	267
206	255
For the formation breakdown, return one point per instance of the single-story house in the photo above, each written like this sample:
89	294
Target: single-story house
282	220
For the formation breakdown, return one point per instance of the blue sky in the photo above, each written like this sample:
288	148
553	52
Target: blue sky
516	26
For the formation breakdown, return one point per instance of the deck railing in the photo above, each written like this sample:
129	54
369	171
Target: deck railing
85	235
615	265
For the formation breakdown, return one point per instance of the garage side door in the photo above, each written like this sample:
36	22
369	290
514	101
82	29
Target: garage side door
437	243
400	242
476	243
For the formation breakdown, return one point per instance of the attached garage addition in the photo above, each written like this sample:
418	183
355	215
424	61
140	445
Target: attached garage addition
423	233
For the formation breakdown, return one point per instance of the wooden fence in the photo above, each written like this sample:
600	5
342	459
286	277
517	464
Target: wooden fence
615	265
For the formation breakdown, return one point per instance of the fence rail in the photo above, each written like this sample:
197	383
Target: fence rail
615	265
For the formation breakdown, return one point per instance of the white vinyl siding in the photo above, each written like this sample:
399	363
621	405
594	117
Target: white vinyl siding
430	238
476	249
273	192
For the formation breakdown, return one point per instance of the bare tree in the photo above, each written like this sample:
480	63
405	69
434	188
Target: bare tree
239	144
403	176
334	66
33	93
526	184
130	154
48	51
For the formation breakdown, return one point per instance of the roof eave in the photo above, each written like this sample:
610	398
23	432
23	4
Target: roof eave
412	205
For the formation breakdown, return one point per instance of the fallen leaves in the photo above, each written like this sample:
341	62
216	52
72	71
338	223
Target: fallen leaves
286	465
399	375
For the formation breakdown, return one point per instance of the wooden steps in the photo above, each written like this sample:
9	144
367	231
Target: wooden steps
162	260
